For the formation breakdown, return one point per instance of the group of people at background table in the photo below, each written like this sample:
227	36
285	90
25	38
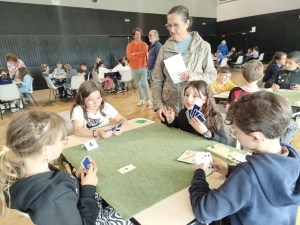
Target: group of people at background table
258	119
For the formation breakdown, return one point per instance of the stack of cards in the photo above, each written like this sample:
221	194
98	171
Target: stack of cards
195	112
206	159
113	129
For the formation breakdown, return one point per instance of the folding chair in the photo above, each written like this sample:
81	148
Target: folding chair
261	57
76	81
126	76
9	93
52	87
238	62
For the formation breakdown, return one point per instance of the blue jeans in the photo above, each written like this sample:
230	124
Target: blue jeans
140	77
66	86
115	79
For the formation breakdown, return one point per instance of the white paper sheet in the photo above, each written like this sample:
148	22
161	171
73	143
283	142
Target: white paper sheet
175	66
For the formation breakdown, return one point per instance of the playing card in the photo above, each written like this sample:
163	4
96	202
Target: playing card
126	169
206	159
119	125
201	118
195	109
85	163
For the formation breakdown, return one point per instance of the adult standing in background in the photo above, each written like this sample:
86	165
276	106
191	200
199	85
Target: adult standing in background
153	51
223	48
13	64
136	52
196	54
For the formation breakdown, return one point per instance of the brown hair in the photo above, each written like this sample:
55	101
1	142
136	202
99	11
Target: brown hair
276	56
85	89
3	75
59	62
27	132
294	56
122	62
67	67
98	64
209	109
183	12
225	69
22	72
253	70
83	64
137	29
43	67
11	57
261	111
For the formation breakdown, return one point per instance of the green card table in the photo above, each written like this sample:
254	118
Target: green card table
156	192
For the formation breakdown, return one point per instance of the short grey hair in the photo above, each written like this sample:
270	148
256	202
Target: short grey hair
155	33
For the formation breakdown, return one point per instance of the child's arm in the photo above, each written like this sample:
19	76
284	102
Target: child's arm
82	132
170	114
271	83
169	117
208	205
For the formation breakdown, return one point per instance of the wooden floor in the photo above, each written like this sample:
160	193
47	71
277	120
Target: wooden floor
125	104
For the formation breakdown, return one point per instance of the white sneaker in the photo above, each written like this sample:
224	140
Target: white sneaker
13	107
150	105
21	105
141	102
119	90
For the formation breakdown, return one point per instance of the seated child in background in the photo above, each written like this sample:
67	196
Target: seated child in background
219	57
198	93
25	86
223	82
44	68
108	82
31	185
59	70
251	73
4	77
90	112
120	67
274	65
84	71
248	55
289	78
265	188
70	73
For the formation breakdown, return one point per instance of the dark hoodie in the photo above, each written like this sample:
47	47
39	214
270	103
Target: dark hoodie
284	78
263	190
55	198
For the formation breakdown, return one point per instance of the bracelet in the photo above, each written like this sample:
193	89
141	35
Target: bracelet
95	136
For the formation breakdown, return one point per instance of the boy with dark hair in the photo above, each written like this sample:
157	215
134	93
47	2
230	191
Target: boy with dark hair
289	78
84	71
223	82
251	73
266	188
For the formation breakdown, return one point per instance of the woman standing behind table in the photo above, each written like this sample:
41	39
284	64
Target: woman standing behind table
196	54
223	48
13	64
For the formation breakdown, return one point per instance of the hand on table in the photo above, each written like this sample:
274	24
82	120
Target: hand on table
297	87
169	114
221	167
104	134
90	177
197	125
160	113
275	87
187	76
119	131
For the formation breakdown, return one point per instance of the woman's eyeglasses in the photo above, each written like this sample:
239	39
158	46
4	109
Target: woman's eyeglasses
175	25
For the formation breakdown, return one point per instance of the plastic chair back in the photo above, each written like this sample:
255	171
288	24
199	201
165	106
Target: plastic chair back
126	75
50	83
9	92
261	57
76	81
240	60
224	62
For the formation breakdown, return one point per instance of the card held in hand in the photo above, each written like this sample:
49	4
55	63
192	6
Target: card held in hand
206	159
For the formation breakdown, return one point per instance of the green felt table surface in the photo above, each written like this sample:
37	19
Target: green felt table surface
153	150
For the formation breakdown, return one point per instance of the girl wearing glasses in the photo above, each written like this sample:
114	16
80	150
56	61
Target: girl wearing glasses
196	54
30	184
90	112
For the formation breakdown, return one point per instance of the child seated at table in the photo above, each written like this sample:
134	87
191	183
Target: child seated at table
120	67
31	185
198	93
289	78
70	73
25	85
108	82
223	82
274	65
84	71
91	111
4	77
219	57
251	73
59	70
265	188
44	68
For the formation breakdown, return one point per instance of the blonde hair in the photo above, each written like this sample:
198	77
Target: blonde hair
43	67
27	132
67	67
253	71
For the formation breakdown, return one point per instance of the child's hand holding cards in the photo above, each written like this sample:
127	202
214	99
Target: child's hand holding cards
115	128
206	159
195	112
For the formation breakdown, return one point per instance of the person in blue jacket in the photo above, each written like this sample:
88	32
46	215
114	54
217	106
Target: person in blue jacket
223	48
277	63
265	189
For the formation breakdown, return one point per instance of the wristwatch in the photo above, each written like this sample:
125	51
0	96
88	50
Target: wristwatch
207	133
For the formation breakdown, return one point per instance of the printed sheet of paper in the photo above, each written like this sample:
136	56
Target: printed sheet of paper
175	66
